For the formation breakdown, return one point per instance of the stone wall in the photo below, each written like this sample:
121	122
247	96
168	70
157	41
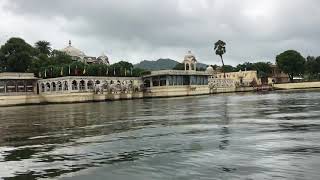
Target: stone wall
18	100
302	85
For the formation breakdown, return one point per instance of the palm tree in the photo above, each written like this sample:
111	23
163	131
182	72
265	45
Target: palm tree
43	47
220	49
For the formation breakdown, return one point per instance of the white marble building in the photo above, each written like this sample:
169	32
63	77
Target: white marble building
79	55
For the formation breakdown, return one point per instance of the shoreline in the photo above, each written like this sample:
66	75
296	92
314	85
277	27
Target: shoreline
37	99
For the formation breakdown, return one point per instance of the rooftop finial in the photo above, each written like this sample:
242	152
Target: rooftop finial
69	42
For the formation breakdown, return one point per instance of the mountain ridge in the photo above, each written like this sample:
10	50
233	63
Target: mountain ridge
161	64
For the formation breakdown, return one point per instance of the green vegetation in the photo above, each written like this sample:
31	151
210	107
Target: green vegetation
312	68
291	62
18	56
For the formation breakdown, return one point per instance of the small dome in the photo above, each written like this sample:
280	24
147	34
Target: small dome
210	69
74	52
190	57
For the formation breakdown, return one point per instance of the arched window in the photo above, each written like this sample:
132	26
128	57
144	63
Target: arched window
59	86
187	66
65	87
54	87
90	85
48	87
42	86
74	85
82	85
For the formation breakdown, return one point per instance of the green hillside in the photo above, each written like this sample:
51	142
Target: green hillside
161	64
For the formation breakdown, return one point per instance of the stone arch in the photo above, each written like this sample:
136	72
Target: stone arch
54	86
48	86
74	85
42	86
187	66
65	86
90	85
82	85
59	85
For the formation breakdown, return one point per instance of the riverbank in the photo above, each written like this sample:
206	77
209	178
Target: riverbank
302	85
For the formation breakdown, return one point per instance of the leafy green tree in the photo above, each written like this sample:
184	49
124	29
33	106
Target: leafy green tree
245	66
227	68
263	69
312	67
43	47
220	49
16	55
139	72
291	62
59	57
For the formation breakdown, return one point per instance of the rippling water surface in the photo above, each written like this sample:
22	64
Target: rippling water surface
232	136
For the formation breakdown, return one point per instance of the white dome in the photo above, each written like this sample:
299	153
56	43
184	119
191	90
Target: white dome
103	59
74	52
190	57
210	69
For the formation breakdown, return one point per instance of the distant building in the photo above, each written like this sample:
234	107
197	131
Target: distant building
278	76
190	62
240	78
78	55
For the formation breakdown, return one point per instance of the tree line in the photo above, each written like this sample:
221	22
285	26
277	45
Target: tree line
16	55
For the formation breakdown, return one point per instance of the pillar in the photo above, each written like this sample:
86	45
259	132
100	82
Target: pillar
69	85
78	85
85	85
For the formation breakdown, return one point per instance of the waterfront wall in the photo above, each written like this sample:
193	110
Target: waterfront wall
173	91
65	98
19	99
302	85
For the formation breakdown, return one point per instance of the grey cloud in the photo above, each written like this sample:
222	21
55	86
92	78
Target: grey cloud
144	29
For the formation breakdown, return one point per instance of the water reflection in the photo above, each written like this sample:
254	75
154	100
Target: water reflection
234	136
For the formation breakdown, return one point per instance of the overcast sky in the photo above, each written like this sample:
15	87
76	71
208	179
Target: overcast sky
134	30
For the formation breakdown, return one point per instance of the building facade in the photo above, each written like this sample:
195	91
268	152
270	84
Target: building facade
18	83
78	55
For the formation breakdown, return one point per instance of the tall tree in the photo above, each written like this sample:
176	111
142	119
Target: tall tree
263	69
16	55
220	49
43	47
291	62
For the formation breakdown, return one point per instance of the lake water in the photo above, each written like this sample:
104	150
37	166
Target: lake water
231	136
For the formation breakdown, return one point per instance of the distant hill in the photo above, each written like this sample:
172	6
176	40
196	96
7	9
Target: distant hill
161	64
